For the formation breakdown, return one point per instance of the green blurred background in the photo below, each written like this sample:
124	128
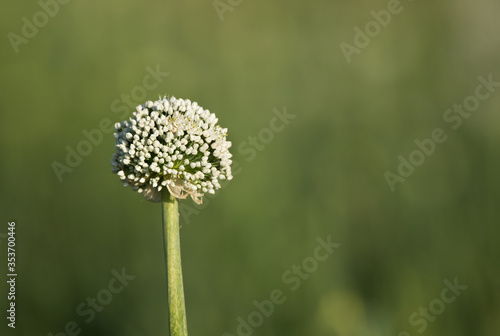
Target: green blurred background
322	175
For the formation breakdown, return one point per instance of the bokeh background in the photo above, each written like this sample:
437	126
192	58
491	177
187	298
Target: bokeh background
322	175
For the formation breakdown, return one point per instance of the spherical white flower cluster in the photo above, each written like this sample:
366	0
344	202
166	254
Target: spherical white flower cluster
172	143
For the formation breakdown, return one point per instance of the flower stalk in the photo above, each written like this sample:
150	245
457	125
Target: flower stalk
171	240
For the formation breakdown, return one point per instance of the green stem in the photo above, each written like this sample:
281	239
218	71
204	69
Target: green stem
176	305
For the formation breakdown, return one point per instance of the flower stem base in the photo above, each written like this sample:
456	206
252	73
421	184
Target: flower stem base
176	305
